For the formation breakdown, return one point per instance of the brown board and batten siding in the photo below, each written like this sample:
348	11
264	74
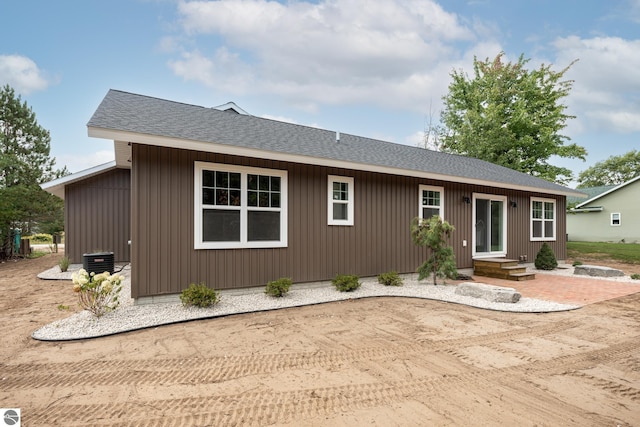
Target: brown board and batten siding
164	260
97	216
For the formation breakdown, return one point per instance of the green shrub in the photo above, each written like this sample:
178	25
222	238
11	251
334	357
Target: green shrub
64	263
199	296
577	263
346	282
391	278
545	259
41	238
635	276
277	288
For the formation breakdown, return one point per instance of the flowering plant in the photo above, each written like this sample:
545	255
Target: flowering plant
97	293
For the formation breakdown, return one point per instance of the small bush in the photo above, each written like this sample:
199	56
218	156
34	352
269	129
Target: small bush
545	259
97	293
278	288
64	263
391	278
346	283
199	296
635	276
41	238
577	263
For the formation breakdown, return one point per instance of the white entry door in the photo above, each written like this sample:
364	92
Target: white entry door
490	225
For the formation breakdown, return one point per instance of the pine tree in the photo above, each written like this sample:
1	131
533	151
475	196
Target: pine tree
25	163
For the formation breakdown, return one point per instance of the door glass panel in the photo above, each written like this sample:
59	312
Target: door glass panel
482	225
496	226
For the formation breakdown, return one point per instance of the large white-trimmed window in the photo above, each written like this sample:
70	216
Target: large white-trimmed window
543	219
340	200
239	207
616	219
430	201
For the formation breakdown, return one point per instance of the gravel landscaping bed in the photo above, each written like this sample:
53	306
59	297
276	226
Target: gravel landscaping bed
130	317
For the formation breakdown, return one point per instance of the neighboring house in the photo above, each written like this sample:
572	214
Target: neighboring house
611	214
235	200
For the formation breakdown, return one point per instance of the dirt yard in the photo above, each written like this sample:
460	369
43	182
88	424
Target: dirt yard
383	362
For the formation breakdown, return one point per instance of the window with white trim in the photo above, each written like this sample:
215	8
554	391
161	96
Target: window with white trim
543	219
430	201
340	200
239	207
616	219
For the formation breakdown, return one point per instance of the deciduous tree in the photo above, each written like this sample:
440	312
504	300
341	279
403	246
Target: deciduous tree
612	171
510	116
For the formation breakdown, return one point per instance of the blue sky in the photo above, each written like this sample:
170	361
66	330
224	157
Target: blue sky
377	69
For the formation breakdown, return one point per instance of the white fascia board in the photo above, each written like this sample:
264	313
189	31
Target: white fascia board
56	186
588	209
211	147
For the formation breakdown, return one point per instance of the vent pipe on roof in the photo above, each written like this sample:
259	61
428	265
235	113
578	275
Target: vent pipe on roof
337	137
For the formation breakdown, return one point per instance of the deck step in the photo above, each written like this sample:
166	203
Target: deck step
501	268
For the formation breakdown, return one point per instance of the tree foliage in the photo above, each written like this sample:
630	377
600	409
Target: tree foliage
433	233
24	165
612	171
510	116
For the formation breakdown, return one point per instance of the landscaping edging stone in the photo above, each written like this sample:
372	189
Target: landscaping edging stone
597	271
488	292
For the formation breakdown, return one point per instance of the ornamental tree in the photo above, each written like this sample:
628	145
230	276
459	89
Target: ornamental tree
433	234
510	116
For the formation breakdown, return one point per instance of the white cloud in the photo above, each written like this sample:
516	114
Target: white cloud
606	90
79	162
22	74
398	53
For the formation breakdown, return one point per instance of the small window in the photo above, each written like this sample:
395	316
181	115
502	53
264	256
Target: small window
340	200
615	219
431	201
543	219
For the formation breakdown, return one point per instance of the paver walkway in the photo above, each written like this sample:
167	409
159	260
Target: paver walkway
567	289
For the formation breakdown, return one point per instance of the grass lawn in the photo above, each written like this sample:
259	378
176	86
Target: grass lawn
621	252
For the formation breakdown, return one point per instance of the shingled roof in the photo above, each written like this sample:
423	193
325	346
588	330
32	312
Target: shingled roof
128	117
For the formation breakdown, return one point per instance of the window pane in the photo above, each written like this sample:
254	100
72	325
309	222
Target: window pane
252	182
340	211
222	197
222	179
235	197
275	183
208	196
208	179
548	210
220	225
537	210
537	228
263	199
252	197
275	200
548	229
264	183
429	212
234	180
263	226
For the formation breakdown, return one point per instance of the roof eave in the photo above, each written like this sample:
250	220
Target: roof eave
57	186
211	147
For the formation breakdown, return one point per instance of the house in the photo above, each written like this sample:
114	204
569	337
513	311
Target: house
234	200
611	214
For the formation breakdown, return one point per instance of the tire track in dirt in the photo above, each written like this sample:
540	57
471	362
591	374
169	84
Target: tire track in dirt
218	369
265	407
